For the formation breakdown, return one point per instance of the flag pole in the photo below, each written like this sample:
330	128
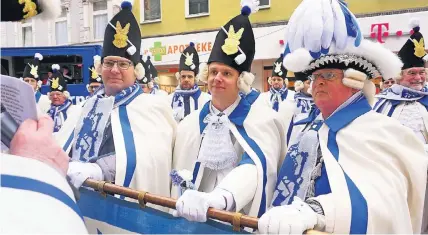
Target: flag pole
236	219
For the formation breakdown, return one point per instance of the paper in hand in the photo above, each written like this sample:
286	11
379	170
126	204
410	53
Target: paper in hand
18	98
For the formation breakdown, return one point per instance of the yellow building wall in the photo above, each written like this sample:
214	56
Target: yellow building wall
221	11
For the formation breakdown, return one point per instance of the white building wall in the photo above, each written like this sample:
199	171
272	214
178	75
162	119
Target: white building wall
79	26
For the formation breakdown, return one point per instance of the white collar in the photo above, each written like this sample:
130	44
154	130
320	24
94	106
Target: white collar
228	110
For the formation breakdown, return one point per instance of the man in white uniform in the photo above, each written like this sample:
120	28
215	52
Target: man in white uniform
407	101
123	135
31	75
95	80
188	97
231	147
33	186
61	107
350	173
33	176
300	111
278	91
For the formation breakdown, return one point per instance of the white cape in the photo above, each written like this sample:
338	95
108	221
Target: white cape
203	98
143	133
160	92
264	99
35	198
259	133
43	104
377	171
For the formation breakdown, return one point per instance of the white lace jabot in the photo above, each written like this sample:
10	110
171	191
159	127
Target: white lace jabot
411	117
217	151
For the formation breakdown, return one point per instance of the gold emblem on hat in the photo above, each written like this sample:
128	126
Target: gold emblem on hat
30	8
94	74
232	42
121	36
189	59
34	69
55	83
419	48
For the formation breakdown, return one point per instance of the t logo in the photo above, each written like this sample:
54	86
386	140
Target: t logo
380	31
158	51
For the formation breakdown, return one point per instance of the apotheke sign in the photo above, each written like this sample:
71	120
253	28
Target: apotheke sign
158	50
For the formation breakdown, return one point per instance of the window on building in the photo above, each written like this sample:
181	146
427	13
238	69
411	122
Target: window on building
100	19
61	30
197	7
27	36
151	10
264	4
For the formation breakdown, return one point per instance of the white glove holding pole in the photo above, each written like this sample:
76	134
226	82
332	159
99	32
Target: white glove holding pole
289	219
193	205
80	171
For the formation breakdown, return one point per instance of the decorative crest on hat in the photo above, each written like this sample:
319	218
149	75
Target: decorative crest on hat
121	36
232	42
94	74
30	8
278	68
419	47
189	59
55	83
33	71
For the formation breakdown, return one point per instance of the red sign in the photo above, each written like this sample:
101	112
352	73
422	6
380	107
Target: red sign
379	31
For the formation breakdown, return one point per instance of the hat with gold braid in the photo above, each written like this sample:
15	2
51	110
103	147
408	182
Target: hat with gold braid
58	82
32	69
235	45
93	73
413	52
122	36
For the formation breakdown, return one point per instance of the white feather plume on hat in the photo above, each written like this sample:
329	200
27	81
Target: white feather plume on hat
327	27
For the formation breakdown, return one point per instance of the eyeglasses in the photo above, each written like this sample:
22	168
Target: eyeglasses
413	73
53	94
325	76
123	65
93	87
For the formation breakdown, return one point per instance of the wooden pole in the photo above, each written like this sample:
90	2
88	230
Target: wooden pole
225	216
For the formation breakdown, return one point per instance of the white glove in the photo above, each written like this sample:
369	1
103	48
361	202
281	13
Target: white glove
289	219
193	205
80	171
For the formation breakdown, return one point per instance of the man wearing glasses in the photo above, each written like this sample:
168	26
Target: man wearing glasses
351	170
95	80
407	101
123	136
385	84
61	108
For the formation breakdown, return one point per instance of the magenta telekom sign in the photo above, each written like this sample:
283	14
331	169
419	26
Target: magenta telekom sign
380	31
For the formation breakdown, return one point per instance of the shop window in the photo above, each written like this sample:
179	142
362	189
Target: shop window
100	18
264	4
197	8
150	11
